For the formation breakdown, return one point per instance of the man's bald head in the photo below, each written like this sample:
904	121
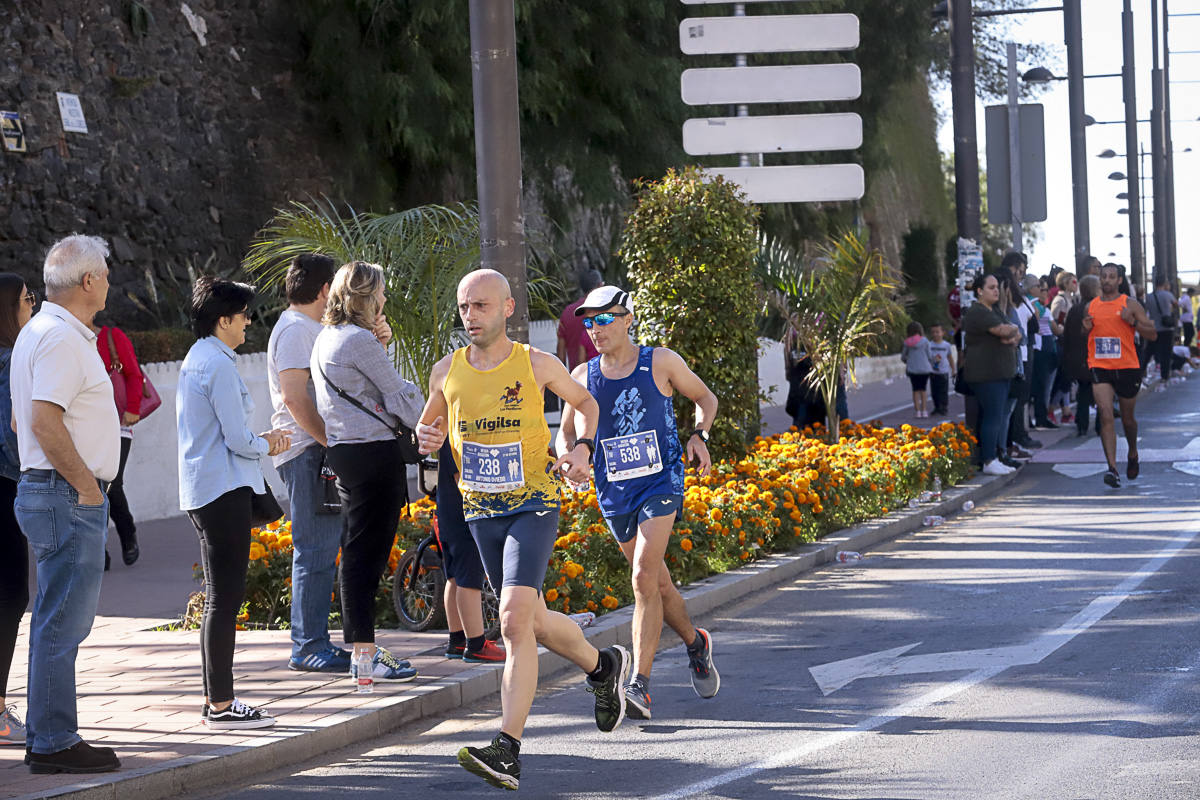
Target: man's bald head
486	281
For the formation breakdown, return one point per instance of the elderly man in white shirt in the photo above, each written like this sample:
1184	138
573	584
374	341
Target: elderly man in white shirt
68	437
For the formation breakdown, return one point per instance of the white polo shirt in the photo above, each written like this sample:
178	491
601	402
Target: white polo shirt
55	359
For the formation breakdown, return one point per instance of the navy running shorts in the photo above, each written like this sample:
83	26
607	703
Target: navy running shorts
625	526
460	556
516	548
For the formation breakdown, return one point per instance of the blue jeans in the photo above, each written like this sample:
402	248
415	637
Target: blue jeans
993	405
68	542
315	542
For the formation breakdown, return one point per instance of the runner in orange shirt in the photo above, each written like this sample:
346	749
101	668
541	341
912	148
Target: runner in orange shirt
1110	322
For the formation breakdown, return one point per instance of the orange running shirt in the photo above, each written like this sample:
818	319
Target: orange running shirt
1110	342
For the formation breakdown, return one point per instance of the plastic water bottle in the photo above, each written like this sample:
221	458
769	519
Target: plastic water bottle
932	520
583	619
967	506
848	555
364	667
937	488
925	497
913	502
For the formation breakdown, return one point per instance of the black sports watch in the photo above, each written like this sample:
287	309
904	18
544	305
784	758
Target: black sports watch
703	434
591	446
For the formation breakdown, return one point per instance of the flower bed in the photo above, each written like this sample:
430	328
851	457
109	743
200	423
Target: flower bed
789	489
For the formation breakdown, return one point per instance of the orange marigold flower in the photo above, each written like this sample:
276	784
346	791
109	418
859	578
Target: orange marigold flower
685	545
609	602
551	595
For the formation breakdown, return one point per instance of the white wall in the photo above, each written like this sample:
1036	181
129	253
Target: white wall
152	474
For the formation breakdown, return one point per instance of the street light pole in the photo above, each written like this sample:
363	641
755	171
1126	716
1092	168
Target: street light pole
1073	33
498	150
1169	154
962	93
1157	157
1137	265
1014	151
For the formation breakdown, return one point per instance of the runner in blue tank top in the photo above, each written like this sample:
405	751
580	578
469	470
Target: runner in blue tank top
638	468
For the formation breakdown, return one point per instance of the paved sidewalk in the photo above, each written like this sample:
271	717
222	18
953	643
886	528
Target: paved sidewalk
140	690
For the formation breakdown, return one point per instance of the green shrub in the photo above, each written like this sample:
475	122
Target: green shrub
689	247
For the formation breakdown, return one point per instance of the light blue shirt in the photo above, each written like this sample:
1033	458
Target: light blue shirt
217	450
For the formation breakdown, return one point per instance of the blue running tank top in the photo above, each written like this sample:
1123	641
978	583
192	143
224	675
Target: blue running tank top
638	455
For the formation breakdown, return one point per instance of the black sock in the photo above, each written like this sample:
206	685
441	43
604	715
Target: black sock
604	668
475	643
642	680
457	639
698	644
514	745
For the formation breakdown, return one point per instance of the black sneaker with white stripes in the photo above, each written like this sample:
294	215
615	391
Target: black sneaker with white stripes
238	717
496	764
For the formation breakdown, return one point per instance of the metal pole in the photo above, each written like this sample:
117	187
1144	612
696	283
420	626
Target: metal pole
1014	151
498	150
962	92
1137	264
1157	158
1142	198
1169	152
739	60
1073	33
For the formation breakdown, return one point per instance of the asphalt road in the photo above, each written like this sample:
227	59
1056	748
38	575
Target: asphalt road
1046	646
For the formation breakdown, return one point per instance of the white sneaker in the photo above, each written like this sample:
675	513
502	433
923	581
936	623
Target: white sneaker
995	467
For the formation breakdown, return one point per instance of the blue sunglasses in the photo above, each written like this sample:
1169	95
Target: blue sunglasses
607	318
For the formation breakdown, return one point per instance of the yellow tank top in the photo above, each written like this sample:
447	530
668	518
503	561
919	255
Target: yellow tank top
499	436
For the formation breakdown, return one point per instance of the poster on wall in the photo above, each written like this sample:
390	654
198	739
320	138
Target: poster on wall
12	131
72	113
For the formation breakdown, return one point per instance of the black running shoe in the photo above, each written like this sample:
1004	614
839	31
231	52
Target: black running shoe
637	701
610	692
495	763
705	678
1133	468
1112	479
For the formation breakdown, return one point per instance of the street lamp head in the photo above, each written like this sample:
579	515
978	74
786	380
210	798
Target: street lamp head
1039	75
1088	119
1112	255
1122	195
1122	210
1119	236
1110	153
1116	176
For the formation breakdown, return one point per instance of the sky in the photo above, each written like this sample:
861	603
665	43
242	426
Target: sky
1102	54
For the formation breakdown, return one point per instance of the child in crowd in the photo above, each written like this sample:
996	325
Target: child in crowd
941	354
918	365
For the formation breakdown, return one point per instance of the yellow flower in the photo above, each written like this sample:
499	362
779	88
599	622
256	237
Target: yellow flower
257	551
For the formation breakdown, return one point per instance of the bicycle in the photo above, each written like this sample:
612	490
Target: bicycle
418	587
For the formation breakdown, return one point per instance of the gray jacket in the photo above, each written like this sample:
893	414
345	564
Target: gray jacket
917	359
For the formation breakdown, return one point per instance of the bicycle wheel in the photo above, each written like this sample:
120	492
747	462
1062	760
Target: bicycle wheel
491	611
417	593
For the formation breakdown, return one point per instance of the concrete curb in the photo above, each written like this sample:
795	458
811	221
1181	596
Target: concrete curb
269	753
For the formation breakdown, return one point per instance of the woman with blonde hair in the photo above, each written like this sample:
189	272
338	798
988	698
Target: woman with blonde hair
364	402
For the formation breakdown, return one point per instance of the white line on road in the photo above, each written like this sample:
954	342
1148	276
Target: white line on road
1095	611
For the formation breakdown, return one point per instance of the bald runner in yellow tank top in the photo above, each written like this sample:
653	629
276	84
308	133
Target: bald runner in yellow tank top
488	398
497	429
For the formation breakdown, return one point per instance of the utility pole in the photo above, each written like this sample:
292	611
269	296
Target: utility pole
1137	258
1073	34
1169	152
962	92
1014	151
498	150
1157	156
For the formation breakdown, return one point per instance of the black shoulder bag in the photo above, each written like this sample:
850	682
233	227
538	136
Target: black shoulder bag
409	449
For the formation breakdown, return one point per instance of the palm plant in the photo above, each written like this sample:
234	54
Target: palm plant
424	252
841	306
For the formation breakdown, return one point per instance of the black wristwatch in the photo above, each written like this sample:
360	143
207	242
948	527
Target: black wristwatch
701	433
591	446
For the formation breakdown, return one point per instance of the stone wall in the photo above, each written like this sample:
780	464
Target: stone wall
195	134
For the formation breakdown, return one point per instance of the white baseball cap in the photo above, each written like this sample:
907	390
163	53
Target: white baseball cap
603	297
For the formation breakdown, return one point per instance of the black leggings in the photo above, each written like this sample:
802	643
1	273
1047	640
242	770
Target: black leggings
118	506
224	530
373	484
14	579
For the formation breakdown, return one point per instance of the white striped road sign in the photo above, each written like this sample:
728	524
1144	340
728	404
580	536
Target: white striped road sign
788	133
798	83
805	183
787	33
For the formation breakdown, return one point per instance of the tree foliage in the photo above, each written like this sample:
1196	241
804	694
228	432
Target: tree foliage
689	247
842	307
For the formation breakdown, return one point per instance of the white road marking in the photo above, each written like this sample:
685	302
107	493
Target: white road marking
1080	470
1188	467
1095	611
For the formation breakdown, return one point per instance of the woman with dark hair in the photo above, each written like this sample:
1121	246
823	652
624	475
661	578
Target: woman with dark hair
116	351
363	399
990	361
16	308
219	472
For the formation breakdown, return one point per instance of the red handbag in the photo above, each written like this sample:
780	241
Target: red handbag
150	398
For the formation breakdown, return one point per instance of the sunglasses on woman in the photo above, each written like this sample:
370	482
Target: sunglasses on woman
30	297
607	318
